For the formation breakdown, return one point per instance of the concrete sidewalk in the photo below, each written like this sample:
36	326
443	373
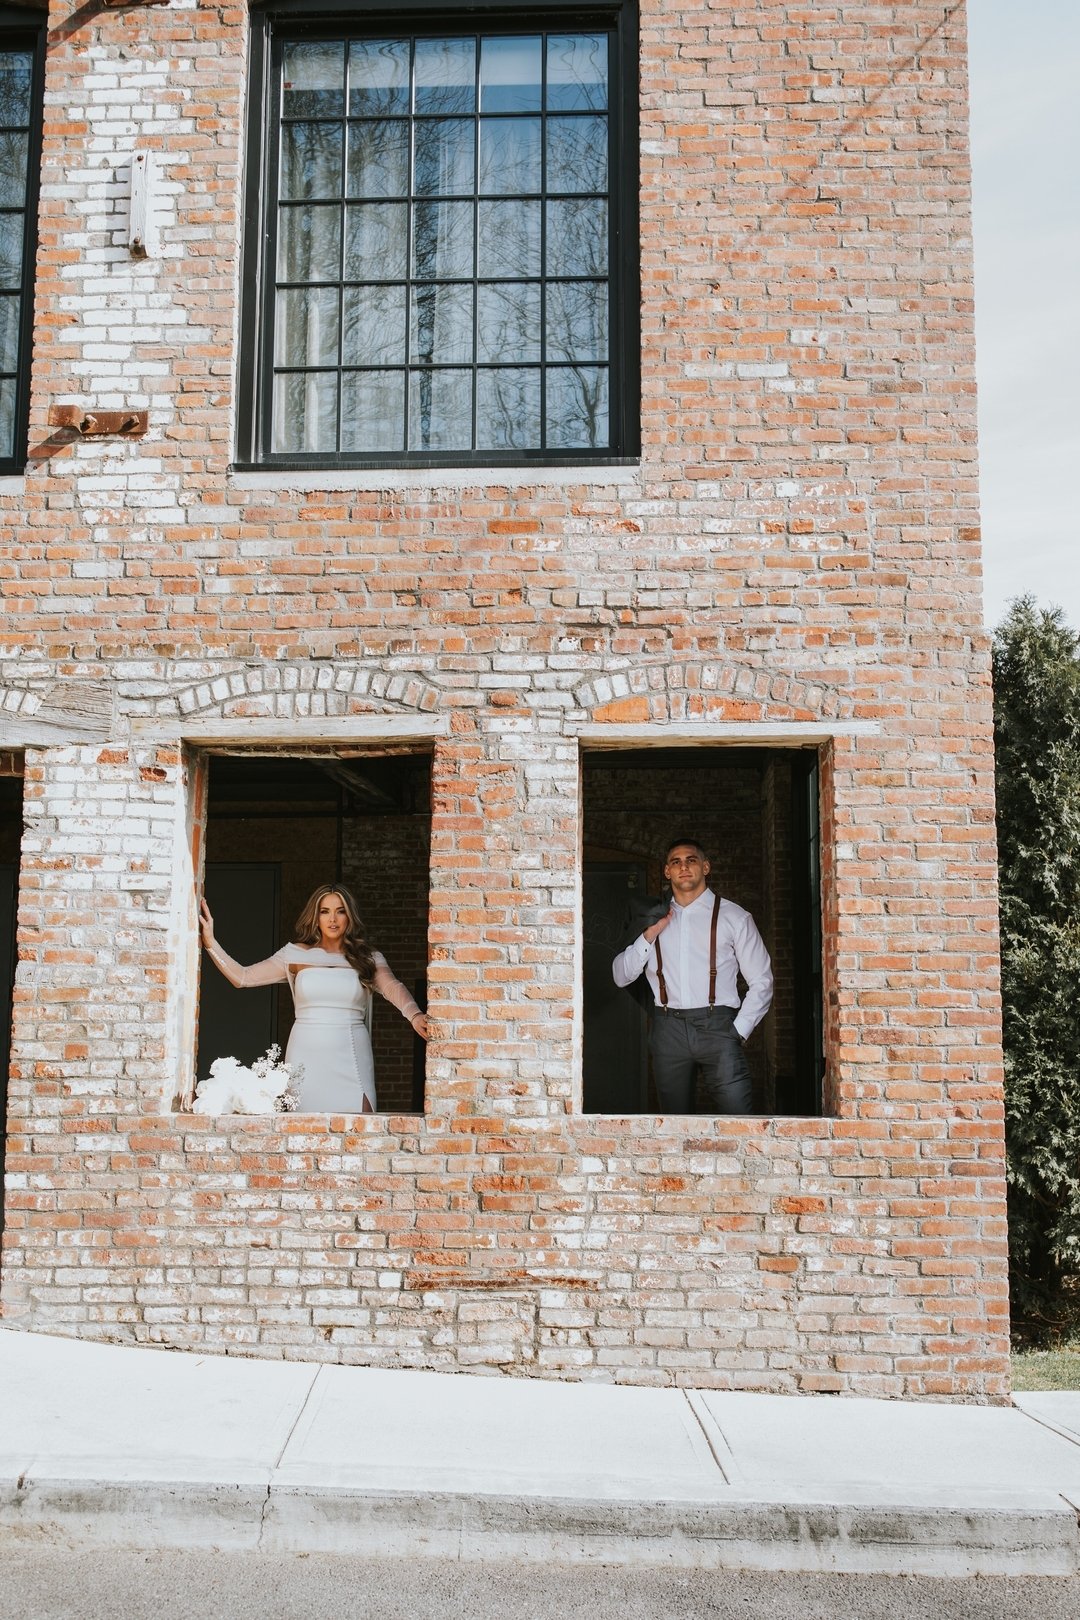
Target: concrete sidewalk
143	1448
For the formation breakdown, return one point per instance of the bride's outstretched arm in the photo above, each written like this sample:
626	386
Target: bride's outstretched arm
397	995
271	971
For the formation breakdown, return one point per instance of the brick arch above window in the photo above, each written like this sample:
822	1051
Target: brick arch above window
282	691
703	690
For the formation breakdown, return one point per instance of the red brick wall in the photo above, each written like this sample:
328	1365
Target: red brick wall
798	545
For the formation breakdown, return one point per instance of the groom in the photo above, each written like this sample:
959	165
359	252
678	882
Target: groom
692	957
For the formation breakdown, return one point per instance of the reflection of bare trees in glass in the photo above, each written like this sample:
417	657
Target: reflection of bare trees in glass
378	76
313	79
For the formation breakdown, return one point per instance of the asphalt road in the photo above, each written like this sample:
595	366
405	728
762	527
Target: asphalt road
45	1583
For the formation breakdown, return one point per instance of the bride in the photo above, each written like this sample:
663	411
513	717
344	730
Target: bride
331	971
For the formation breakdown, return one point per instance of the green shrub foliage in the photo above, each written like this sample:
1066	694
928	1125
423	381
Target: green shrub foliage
1037	733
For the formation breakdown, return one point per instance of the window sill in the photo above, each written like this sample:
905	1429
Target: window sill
410	479
12	484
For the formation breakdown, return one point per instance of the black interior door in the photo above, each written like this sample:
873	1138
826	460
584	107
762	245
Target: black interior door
615	1054
244	899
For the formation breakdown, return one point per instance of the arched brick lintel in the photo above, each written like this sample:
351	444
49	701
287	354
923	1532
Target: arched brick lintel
281	691
699	691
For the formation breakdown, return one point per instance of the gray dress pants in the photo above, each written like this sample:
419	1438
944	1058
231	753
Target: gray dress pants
683	1041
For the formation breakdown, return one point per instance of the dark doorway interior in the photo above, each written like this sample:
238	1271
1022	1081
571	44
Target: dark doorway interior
11	827
276	829
756	812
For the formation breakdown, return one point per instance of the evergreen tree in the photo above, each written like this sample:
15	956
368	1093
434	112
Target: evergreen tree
1037	731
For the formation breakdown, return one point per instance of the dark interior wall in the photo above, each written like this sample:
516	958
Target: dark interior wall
776	924
11	829
304	847
11	811
737	803
385	863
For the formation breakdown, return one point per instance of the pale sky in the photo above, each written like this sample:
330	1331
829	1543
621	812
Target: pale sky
1025	116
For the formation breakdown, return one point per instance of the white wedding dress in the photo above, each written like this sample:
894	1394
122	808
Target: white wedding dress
330	1036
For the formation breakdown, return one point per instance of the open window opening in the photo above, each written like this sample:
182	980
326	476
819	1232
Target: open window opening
11	828
756	813
276	829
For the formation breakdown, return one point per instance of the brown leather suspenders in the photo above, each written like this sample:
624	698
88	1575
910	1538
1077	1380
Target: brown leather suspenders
712	958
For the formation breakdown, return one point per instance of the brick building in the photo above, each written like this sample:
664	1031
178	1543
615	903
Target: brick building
451	451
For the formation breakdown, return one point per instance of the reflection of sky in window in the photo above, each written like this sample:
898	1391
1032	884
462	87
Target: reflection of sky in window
510	75
577	72
378	76
445	73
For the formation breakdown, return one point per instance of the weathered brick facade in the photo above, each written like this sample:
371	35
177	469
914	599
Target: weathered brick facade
795	560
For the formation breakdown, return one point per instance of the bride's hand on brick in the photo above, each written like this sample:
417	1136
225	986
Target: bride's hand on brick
206	925
420	1024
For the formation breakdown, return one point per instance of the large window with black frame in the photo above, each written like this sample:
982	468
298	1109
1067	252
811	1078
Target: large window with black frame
22	69
440	247
755	813
278	828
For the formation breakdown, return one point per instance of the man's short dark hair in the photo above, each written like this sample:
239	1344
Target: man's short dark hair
692	843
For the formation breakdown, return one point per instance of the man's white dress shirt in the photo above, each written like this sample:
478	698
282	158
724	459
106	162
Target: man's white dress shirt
685	947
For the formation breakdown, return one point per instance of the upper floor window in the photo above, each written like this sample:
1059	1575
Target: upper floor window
440	272
21	91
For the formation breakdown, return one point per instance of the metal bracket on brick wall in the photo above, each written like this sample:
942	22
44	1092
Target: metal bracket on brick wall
99	424
142	226
132	5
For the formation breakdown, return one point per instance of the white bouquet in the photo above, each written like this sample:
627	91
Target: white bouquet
267	1087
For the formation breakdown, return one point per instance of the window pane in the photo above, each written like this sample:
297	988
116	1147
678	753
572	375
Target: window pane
10	309
577	408
509	238
311	160
376	242
14	169
442	240
441	328
577	238
313	79
16	78
309	244
577	154
307	328
374	334
508	321
11	249
7	417
378	76
379	158
577	320
510	75
507	409
373	410
444	157
445	75
440	410
305	412
509	155
576	72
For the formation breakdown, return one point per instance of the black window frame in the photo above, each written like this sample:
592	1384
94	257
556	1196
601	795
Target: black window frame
25	30
341	18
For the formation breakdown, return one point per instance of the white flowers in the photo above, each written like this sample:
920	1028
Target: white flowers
267	1087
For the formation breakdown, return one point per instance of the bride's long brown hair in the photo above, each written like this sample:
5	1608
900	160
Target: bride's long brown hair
354	945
